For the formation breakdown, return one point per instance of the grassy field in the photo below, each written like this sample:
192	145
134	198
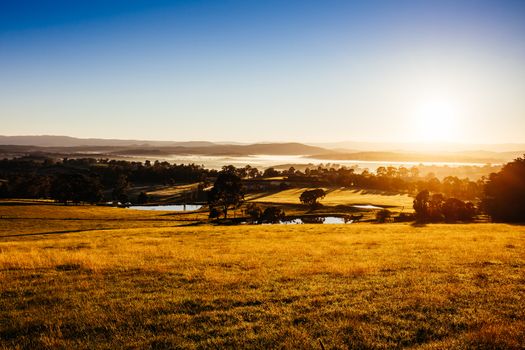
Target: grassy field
161	194
340	197
147	282
25	218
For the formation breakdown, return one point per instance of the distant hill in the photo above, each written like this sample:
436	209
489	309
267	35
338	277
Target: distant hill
67	141
71	146
407	147
64	145
227	150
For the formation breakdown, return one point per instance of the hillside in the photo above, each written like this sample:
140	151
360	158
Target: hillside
149	150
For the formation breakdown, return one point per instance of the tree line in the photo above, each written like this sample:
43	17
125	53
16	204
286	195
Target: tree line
87	179
501	195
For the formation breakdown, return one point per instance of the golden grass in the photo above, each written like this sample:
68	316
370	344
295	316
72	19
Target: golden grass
362	286
340	197
169	191
47	219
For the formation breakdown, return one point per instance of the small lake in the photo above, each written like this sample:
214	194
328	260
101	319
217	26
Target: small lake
169	207
314	220
367	206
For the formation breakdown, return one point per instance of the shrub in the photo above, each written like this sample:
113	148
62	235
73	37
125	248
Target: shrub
272	215
383	215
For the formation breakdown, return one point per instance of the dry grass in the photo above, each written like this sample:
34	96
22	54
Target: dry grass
26	218
361	286
166	193
341	197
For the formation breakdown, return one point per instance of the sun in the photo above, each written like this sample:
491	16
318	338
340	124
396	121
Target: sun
436	119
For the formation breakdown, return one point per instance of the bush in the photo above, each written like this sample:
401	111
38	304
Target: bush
272	215
383	215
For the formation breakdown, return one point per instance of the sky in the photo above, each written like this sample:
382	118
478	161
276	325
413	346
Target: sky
252	71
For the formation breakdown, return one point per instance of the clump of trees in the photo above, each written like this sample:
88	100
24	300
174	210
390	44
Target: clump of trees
310	197
270	215
504	198
388	179
436	208
227	192
76	188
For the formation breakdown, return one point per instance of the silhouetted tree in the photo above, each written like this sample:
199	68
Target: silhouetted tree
383	215
254	212
4	192
120	192
310	197
142	198
504	195
421	205
271	172
227	192
214	213
272	215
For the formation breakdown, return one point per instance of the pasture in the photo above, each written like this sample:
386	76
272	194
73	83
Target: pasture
340	196
126	279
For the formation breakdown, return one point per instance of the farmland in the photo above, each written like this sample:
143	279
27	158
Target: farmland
340	196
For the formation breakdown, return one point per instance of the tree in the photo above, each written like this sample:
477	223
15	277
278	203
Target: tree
435	206
120	192
383	215
504	193
272	215
421	205
254	212
310	197
4	191
271	172
226	192
142	198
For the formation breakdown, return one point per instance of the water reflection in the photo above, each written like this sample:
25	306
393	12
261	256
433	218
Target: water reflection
169	207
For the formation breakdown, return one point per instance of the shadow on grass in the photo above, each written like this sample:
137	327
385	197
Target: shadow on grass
54	232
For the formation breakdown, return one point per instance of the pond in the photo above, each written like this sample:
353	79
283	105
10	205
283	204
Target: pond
314	220
169	207
367	206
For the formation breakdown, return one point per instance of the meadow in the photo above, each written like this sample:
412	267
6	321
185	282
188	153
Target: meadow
121	278
340	196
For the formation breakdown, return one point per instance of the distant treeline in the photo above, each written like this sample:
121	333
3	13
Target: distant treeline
85	180
391	179
502	195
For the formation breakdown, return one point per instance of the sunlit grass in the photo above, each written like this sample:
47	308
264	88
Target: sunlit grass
340	197
351	286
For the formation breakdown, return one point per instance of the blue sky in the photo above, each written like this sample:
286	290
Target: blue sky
443	71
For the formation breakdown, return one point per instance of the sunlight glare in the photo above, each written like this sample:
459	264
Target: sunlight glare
437	120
